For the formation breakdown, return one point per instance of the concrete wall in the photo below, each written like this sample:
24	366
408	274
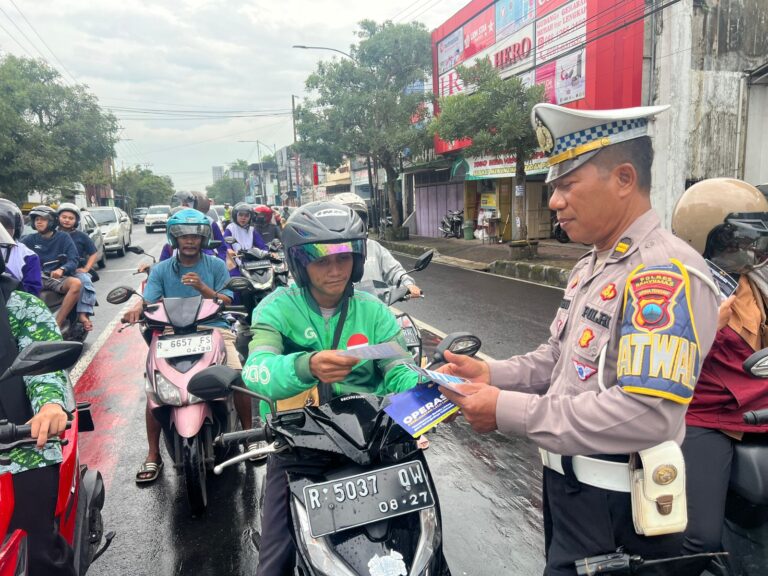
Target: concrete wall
702	53
756	150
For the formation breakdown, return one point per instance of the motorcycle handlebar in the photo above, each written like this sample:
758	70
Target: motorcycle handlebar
756	417
11	433
253	434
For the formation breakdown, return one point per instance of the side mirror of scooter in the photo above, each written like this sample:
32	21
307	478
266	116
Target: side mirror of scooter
44	357
135	249
218	381
462	343
230	240
423	261
120	294
757	364
214	244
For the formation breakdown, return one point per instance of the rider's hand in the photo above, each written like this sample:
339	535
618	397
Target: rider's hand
231	253
414	290
134	314
82	271
58	273
143	267
725	312
466	367
328	366
50	421
193	280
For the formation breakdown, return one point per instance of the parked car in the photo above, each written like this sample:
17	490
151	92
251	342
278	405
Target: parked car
157	217
138	215
124	214
115	226
89	225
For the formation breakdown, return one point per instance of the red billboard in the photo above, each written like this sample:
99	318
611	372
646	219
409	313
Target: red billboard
587	53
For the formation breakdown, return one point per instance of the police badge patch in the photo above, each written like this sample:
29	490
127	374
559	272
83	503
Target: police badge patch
659	348
584	371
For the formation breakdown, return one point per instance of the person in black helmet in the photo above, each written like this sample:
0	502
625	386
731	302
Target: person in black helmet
20	261
297	331
49	243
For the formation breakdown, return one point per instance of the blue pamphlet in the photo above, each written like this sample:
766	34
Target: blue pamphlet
419	409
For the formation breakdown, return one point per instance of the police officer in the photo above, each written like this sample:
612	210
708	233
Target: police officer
617	373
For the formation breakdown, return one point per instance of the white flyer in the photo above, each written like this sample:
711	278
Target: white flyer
375	352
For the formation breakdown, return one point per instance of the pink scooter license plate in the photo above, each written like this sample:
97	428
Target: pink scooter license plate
172	346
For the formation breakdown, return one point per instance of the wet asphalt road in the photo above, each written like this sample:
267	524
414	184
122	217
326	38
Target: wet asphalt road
489	486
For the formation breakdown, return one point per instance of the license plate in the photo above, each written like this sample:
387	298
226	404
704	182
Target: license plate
173	346
256	264
411	337
366	498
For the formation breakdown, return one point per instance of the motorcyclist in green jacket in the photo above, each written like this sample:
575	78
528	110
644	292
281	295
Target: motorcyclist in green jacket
296	332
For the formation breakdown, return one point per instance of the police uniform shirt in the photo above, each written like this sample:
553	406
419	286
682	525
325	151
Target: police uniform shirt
656	323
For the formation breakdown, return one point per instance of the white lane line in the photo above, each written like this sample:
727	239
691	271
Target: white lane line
429	328
411	256
85	361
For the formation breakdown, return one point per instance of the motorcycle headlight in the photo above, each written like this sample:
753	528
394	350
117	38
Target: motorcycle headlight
192	399
167	392
429	541
323	558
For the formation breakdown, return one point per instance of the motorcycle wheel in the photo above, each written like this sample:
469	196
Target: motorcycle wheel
195	474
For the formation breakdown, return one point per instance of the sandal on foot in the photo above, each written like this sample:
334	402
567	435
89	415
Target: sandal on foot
149	472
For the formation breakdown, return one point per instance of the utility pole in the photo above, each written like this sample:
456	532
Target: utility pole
296	153
261	175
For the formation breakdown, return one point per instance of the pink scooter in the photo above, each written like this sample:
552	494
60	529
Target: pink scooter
180	347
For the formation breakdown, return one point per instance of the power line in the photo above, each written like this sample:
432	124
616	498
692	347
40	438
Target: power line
44	42
11	36
407	9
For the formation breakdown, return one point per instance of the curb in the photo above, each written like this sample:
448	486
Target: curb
531	272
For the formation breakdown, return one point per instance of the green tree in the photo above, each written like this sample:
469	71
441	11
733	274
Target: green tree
496	116
143	187
231	188
51	134
368	105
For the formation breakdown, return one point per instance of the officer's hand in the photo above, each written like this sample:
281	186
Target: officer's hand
466	367
134	314
414	290
725	312
328	366
479	407
50	421
58	273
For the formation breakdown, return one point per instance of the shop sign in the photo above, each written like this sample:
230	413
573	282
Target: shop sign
503	167
561	30
488	200
479	33
511	15
515	52
450	51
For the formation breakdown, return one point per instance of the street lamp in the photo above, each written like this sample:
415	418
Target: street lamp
303	47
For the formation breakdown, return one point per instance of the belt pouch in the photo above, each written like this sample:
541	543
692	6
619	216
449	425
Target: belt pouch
658	490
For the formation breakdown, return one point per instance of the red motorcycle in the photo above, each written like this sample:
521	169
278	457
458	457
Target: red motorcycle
81	490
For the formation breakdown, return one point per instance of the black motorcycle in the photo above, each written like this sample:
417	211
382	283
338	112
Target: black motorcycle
451	224
362	497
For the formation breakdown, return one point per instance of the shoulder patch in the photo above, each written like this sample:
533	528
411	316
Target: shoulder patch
621	248
659	349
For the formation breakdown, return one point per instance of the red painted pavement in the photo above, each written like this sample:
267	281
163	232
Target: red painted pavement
114	385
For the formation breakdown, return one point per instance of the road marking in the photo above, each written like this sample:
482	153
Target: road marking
436	331
412	257
85	361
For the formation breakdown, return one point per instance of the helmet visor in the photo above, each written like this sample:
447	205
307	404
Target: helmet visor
307	253
741	243
179	230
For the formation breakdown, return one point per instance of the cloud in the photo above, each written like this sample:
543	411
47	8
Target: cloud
200	54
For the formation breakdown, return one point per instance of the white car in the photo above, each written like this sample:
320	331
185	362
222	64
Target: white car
115	227
157	217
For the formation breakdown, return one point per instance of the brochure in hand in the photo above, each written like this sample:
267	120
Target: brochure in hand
375	352
423	407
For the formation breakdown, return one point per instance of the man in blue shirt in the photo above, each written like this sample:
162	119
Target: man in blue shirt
189	273
69	220
48	243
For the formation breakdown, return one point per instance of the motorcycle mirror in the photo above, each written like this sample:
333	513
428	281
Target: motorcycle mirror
120	294
214	244
43	357
423	261
135	249
218	381
463	343
230	240
757	364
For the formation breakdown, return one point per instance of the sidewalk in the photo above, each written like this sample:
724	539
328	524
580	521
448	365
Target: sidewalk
552	264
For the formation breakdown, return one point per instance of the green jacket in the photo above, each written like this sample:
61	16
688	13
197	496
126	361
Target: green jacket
288	328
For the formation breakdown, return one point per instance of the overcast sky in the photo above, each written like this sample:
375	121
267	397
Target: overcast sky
209	55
